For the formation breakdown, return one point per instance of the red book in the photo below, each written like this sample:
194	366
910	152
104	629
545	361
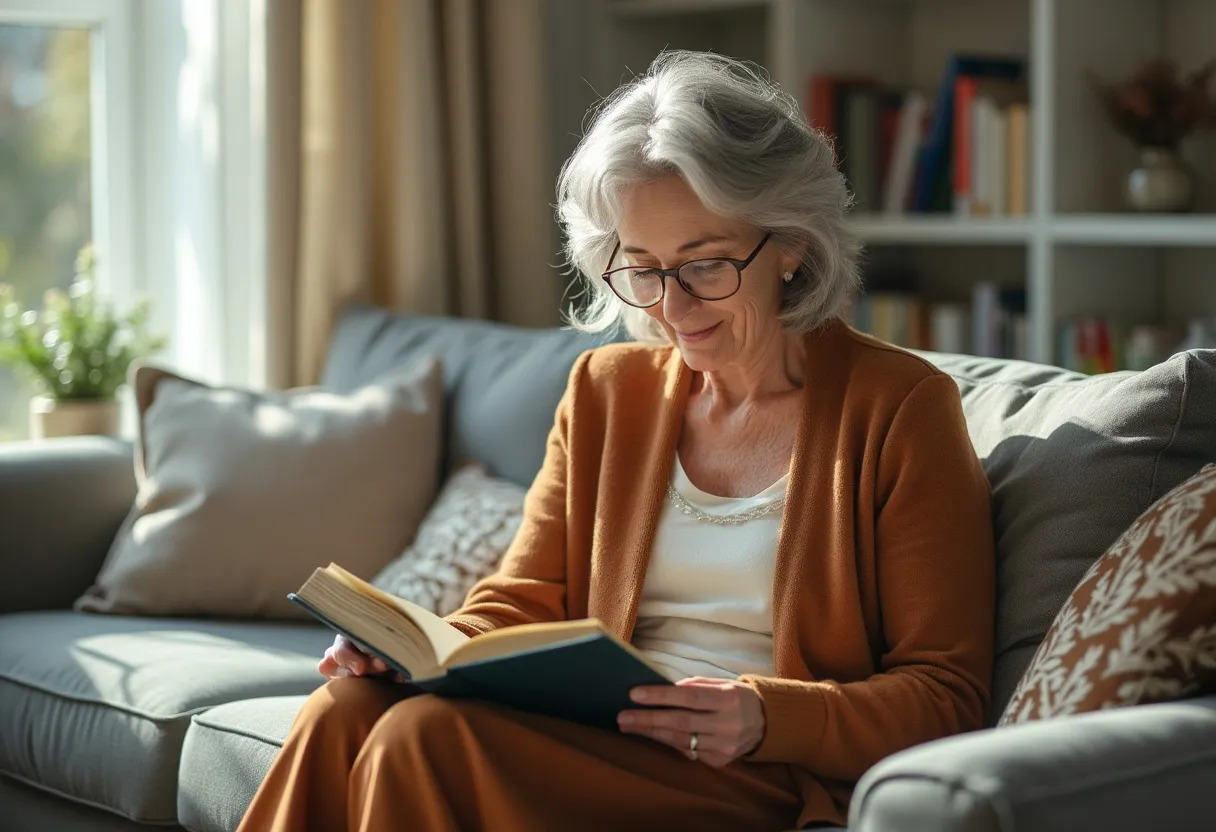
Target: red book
822	105
964	94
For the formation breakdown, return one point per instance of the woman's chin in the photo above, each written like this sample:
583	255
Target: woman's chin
699	360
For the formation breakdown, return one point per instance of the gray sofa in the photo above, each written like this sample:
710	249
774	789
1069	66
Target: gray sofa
118	723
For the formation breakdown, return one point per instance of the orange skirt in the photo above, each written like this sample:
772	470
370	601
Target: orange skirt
367	755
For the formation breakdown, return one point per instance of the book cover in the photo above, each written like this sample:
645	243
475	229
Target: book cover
1018	142
859	136
902	168
586	679
964	95
998	161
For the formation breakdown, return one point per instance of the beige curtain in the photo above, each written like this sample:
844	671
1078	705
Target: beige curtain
408	164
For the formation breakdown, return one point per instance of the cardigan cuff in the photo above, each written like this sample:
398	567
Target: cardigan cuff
794	715
471	625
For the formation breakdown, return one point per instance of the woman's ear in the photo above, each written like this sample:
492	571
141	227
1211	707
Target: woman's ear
792	259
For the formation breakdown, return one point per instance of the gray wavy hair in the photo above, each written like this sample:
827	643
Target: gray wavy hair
743	147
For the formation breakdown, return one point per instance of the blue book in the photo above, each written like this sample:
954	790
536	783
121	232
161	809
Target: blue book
575	670
934	171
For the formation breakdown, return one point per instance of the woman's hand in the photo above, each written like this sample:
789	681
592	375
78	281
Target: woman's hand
343	658
726	716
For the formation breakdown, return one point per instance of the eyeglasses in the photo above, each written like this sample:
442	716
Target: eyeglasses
710	278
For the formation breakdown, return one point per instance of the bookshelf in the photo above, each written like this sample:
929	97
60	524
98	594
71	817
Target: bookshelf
1076	252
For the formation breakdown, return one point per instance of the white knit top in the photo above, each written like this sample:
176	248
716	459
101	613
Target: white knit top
707	602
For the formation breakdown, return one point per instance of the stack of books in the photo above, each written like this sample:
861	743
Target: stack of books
968	152
993	324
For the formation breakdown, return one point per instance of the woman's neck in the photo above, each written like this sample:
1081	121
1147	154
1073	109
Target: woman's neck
771	370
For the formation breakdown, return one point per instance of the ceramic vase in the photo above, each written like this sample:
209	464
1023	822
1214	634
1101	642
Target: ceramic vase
1161	182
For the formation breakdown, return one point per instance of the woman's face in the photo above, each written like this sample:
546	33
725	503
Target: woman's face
660	221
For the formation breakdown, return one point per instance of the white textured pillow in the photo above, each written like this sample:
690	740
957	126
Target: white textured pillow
242	493
461	540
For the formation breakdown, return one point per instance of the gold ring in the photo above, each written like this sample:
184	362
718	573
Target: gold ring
692	745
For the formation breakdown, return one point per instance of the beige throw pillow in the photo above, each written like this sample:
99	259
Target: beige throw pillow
1141	625
242	494
462	539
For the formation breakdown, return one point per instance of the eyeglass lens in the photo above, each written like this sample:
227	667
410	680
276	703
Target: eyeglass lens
704	279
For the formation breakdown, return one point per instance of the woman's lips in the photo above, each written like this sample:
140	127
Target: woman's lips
699	335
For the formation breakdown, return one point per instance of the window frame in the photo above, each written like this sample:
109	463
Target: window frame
111	135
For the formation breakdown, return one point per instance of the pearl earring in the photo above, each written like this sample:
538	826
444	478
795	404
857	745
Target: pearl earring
788	276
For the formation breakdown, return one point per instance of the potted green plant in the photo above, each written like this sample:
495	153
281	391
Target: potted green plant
78	350
1157	108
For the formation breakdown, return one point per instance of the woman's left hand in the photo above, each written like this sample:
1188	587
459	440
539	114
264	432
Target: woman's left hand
726	716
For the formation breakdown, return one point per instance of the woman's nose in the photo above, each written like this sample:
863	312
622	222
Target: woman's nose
676	301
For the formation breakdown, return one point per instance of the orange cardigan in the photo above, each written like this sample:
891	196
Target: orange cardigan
884	598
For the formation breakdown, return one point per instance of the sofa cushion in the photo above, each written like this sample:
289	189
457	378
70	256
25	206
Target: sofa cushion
227	752
502	382
1141	625
243	493
95	707
1072	460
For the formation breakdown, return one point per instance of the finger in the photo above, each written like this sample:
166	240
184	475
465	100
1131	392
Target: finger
376	665
351	659
680	720
327	665
682	742
693	697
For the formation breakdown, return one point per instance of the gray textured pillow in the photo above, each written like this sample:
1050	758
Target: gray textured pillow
462	539
1073	460
242	494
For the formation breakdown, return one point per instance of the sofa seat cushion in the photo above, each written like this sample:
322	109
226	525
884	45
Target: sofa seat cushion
95	707
228	751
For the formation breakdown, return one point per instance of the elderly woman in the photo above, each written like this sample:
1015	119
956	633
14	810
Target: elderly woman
786	515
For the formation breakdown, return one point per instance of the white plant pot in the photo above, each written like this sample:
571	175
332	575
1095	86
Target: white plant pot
50	418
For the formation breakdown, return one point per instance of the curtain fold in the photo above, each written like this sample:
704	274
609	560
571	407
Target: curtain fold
409	167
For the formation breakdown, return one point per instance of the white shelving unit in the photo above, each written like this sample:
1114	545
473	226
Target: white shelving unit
1078	252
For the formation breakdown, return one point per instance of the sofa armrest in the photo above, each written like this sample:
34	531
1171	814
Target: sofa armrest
61	502
1123	770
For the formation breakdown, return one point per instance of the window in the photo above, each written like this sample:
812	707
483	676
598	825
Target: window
65	156
175	152
45	186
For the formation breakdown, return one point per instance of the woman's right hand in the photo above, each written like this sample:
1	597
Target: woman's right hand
343	658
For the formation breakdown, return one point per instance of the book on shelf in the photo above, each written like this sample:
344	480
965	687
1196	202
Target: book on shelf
993	324
967	152
901	169
576	670
986	136
1090	345
826	104
935	173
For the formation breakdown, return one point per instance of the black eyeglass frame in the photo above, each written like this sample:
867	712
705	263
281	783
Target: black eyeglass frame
663	274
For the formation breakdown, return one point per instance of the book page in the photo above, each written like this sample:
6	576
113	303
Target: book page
444	638
524	637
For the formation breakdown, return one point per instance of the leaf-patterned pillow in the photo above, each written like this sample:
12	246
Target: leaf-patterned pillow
461	540
1141	625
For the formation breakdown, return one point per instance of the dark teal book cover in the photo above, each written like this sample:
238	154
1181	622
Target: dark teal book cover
585	679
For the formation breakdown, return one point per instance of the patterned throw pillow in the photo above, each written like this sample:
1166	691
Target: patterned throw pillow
461	540
1141	625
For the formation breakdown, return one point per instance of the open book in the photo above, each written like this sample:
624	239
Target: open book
572	669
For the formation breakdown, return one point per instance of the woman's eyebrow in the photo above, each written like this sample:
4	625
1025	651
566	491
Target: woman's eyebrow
714	238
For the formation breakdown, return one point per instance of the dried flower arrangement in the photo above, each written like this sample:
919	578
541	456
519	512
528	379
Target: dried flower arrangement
1157	106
